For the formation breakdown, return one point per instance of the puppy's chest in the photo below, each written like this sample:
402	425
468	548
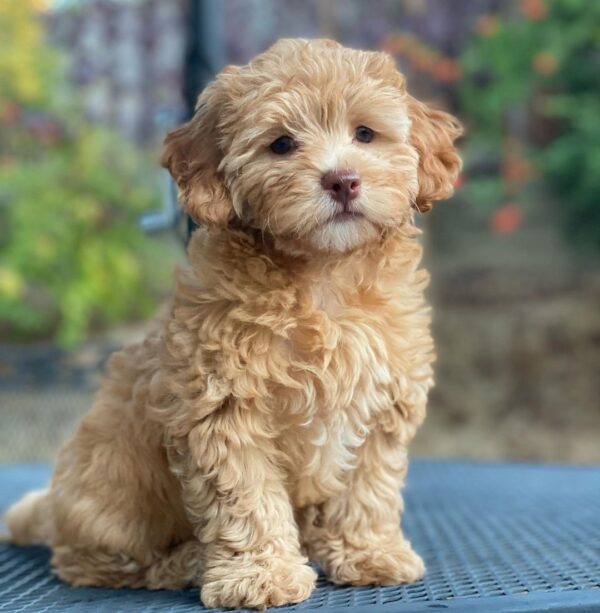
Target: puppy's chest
342	361
342	353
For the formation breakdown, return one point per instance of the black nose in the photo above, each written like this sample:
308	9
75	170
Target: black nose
342	185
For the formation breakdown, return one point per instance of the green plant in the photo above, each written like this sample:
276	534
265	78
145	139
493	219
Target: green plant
531	92
71	255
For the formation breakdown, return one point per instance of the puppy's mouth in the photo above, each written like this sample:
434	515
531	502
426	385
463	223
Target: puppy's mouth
345	216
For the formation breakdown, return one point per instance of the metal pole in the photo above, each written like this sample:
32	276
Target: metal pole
205	48
204	56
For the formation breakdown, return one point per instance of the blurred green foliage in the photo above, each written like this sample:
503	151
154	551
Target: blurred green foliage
531	94
72	257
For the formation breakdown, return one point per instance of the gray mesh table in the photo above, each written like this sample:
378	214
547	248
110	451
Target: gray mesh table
495	537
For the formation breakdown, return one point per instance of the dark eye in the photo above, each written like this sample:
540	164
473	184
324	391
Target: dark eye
283	145
364	134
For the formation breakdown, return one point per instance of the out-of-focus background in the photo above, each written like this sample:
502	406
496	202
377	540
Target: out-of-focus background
88	241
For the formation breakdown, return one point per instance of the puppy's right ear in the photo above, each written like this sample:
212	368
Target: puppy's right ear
192	155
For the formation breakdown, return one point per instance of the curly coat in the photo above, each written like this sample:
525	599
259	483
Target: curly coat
267	417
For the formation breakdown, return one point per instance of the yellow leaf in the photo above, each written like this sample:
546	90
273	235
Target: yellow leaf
11	283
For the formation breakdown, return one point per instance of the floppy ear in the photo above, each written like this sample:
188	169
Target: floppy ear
192	155
432	134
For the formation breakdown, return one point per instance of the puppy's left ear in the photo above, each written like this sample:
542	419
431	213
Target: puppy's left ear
432	134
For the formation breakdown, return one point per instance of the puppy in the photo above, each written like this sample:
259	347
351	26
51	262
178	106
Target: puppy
266	420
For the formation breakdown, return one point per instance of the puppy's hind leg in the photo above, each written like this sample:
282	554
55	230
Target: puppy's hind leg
80	566
172	570
28	520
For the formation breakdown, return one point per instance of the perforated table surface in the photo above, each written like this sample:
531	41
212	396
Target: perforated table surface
495	537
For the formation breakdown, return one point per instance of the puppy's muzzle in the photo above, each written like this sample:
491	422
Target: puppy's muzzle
343	186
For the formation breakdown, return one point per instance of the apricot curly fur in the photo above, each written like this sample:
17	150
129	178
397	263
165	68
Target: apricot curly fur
265	420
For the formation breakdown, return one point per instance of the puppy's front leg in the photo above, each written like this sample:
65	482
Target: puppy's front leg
355	536
234	494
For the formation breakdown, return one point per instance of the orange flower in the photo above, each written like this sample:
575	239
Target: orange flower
535	10
400	43
545	63
516	170
390	44
397	43
10	112
506	219
424	59
487	26
447	70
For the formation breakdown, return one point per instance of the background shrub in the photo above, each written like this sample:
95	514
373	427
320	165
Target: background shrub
72	257
531	96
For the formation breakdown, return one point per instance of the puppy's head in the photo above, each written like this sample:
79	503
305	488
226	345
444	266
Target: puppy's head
317	145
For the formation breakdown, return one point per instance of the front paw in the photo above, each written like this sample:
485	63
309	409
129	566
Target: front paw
252	582
387	563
